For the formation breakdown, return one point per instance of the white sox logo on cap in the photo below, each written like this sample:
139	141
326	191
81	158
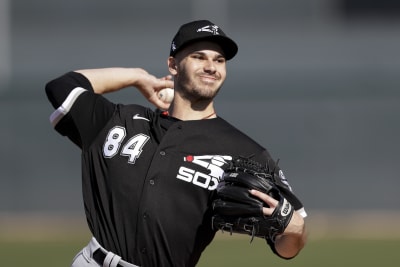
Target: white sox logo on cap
210	28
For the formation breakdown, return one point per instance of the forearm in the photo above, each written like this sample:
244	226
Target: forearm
108	80
113	79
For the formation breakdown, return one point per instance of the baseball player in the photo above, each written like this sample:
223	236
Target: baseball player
149	175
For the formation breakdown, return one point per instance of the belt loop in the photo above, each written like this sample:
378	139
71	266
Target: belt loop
111	260
93	246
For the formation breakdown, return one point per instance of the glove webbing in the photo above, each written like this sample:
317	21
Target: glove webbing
253	167
249	228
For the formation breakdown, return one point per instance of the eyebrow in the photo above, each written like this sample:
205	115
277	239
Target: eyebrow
217	55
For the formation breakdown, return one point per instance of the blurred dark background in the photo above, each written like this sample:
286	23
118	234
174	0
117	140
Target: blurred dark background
317	82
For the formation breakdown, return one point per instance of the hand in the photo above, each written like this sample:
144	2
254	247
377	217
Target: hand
271	202
294	237
295	225
149	86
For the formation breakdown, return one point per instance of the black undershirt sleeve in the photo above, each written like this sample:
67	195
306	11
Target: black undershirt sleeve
58	89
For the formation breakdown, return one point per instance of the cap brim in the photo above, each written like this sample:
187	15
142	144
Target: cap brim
229	47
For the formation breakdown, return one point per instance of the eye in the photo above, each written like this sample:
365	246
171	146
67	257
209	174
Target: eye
197	56
221	60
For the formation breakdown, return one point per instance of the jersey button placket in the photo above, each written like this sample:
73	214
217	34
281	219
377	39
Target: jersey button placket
152	181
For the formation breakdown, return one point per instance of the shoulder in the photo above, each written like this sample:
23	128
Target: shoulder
231	131
223	136
137	112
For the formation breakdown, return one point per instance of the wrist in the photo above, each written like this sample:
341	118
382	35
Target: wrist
292	241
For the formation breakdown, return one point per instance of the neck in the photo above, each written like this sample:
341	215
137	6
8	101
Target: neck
183	112
212	115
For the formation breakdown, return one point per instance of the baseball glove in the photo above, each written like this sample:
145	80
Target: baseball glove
237	211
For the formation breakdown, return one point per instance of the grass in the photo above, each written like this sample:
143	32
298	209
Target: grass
323	253
224	251
27	241
39	253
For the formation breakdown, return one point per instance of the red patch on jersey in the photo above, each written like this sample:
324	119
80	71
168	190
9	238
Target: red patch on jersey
189	158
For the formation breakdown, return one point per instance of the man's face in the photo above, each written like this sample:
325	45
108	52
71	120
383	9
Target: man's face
200	70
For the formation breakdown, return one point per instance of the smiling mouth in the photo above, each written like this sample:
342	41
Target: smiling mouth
208	78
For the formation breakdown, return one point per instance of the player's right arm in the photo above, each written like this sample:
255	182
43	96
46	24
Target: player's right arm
108	80
81	111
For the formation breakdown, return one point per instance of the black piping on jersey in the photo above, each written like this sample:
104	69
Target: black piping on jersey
65	107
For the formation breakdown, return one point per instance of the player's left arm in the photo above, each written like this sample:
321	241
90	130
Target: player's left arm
288	244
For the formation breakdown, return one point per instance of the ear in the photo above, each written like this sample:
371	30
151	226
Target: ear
172	66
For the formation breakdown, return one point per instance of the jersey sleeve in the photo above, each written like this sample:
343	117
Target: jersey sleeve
79	112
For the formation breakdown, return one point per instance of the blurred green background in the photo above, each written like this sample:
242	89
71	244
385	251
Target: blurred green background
223	252
317	82
340	240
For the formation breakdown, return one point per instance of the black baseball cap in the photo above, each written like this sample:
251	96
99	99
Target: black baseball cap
203	30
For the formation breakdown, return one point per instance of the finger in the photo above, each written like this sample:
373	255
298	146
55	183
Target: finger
167	81
163	83
167	77
271	202
159	103
264	197
169	84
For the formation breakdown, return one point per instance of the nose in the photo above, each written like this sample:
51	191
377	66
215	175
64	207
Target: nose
209	66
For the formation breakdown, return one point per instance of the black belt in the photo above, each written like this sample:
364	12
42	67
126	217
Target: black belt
99	257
